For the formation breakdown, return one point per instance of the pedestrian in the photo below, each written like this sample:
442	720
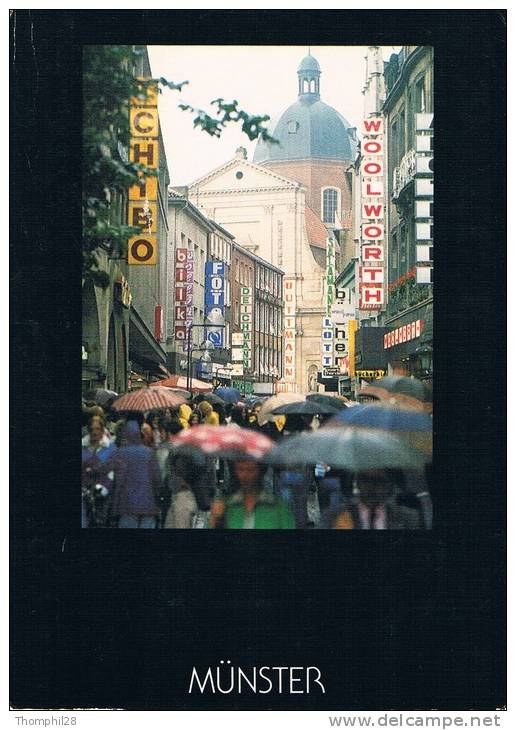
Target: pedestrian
167	428
137	481
295	484
184	413
195	418
209	417
148	436
219	410
375	505
237	416
183	506
153	419
252	505
97	479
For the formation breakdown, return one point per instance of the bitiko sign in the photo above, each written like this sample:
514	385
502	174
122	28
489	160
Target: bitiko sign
143	197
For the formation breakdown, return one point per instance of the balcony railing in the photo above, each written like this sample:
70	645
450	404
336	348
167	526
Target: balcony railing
403	174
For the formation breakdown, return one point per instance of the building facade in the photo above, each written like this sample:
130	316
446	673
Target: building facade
285	205
189	243
122	325
257	322
408	113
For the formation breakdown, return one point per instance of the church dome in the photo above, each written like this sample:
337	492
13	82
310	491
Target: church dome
309	128
309	63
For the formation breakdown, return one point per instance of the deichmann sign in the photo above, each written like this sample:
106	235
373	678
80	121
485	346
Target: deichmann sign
289	332
143	197
403	334
246	325
372	170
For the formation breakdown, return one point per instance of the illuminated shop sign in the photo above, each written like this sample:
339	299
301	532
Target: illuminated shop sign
371	285
143	197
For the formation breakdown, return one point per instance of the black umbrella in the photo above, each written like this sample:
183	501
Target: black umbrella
350	449
401	384
102	397
326	400
304	408
209	398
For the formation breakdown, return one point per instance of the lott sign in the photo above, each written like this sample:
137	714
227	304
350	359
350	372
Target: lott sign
143	197
372	170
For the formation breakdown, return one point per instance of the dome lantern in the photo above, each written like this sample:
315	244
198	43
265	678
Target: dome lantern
308	74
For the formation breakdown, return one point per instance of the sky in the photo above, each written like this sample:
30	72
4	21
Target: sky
264	81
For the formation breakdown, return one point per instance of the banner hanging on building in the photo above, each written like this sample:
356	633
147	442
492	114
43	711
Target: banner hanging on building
289	332
214	299
246	325
143	197
371	285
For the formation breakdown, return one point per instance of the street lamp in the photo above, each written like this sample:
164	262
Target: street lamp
214	319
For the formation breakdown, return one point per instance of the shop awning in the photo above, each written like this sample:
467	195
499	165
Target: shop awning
143	348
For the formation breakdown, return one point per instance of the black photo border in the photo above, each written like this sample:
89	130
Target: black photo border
394	621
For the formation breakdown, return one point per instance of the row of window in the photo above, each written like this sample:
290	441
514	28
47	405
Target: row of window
268	280
402	126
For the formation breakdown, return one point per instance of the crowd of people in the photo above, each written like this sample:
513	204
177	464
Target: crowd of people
133	476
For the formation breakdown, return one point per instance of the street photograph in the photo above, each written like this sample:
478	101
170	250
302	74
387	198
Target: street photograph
257	297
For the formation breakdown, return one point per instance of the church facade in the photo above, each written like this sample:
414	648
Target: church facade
284	206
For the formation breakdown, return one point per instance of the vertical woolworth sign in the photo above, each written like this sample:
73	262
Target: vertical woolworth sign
143	197
246	325
289	347
372	255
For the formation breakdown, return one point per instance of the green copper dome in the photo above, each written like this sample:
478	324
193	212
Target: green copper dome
308	129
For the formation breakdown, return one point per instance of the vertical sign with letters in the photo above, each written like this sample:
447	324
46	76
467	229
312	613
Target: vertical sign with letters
289	347
214	298
246	325
143	197
372	170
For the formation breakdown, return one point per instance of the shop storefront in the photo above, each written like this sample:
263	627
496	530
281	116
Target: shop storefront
408	344
370	355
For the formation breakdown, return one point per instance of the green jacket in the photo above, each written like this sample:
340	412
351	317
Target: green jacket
269	513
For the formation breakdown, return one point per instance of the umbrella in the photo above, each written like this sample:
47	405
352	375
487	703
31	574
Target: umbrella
179	381
225	442
273	402
414	426
328	400
101	396
304	408
228	395
210	398
400	388
350	449
147	399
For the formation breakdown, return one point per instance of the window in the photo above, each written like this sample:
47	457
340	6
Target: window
330	204
292	126
239	175
420	100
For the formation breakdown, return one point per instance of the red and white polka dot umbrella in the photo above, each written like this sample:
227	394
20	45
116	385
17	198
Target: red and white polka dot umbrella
225	442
